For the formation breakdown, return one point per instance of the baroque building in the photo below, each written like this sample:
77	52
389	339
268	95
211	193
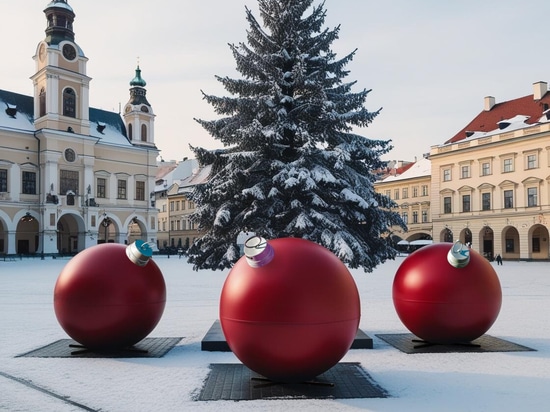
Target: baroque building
491	181
72	176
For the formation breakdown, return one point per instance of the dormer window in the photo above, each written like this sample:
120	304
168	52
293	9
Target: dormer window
503	125
101	127
11	110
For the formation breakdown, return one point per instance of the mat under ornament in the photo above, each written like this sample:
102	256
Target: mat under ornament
409	343
68	348
229	381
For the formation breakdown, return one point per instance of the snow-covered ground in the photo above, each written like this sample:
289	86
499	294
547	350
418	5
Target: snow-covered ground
507	381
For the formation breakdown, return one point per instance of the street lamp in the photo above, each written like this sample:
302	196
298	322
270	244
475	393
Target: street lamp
106	223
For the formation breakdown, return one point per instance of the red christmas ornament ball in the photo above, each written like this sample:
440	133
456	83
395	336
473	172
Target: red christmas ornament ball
103	300
291	311
441	303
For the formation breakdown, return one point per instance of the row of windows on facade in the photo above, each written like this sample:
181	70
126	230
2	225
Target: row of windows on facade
405	192
532	200
415	214
485	169
175	205
69	110
69	182
175	225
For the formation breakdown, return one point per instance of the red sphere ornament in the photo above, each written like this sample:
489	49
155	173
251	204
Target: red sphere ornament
289	309
447	293
110	295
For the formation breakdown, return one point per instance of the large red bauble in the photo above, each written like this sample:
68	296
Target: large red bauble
103	300
293	318
441	303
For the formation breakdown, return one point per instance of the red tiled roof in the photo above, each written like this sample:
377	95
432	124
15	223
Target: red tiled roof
486	121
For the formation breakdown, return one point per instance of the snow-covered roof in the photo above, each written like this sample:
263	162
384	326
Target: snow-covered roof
421	168
504	126
106	126
184	170
198	177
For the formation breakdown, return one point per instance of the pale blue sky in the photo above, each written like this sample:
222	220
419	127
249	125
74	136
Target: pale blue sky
429	63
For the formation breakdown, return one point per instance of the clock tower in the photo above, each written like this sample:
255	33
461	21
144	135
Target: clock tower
61	86
138	114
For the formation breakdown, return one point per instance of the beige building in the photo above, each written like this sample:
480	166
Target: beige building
490	182
72	176
409	187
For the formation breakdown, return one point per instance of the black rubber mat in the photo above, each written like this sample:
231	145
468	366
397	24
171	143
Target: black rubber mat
214	340
68	348
236	382
409	343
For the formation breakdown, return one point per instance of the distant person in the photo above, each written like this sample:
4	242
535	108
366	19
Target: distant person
499	259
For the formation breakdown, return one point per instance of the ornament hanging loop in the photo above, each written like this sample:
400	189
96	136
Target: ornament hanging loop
139	252
459	255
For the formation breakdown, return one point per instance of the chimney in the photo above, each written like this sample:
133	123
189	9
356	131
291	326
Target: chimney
489	103
539	90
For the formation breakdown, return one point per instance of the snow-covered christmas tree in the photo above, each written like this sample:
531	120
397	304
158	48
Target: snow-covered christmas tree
291	165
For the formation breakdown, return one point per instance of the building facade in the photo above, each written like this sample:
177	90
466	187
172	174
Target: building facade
72	176
410	188
491	181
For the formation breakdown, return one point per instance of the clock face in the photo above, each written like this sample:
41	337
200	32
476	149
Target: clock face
69	52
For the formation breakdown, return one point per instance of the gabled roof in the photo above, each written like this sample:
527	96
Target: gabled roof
488	120
421	168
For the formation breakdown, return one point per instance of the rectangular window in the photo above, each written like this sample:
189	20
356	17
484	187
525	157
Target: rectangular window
447	205
140	190
121	189
508	165
415	216
172	206
508	199
415	191
424	216
465	172
486	201
466	203
29	183
405	193
68	181
447	175
3	180
424	190
396	194
532	196
101	188
531	161
485	169
388	193
405	217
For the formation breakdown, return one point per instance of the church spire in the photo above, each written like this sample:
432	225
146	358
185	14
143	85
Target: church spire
138	91
60	17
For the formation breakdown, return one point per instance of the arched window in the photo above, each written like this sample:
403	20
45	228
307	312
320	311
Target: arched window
42	100
69	102
143	133
130	131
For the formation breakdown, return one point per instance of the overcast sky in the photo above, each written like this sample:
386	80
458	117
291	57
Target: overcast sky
429	63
